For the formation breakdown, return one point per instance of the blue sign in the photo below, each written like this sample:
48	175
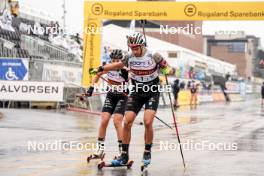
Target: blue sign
13	69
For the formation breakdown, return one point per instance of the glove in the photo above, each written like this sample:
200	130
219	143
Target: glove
167	71
100	69
89	91
93	71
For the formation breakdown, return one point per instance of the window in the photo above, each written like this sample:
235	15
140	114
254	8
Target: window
237	47
172	55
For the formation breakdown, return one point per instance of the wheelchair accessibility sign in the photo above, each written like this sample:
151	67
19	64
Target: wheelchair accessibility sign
13	69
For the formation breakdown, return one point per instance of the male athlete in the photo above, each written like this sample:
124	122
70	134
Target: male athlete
144	67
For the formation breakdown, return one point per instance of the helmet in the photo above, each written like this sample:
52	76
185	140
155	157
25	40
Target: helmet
116	54
136	39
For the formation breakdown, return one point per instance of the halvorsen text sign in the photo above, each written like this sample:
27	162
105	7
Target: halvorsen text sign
31	91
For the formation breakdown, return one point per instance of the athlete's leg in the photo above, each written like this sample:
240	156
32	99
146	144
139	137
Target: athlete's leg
119	114
126	133
118	118
133	107
149	116
101	133
107	111
150	111
104	123
128	122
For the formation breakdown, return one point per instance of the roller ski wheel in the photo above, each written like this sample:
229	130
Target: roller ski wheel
94	157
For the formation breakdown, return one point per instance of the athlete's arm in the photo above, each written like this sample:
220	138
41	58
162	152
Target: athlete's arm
97	77
163	65
90	89
113	66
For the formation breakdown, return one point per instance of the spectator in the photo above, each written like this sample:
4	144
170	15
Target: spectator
176	90
182	85
223	88
189	84
194	92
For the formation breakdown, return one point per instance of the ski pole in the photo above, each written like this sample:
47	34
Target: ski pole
163	122
175	123
143	22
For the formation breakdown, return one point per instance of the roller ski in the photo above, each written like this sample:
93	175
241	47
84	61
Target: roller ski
95	157
99	154
146	160
103	164
121	161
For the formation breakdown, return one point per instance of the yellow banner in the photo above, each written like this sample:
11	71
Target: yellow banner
92	44
96	11
176	10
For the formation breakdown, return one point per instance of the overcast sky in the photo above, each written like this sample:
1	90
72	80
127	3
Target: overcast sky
74	18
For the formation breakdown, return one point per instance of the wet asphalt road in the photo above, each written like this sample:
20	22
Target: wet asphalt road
238	126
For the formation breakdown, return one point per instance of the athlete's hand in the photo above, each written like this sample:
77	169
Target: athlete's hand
89	91
81	98
93	71
168	71
100	69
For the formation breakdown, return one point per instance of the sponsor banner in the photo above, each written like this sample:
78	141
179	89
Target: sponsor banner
13	69
175	10
92	47
31	91
62	73
97	11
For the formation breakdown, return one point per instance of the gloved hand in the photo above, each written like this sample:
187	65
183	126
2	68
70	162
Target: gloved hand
100	69
89	91
93	71
168	71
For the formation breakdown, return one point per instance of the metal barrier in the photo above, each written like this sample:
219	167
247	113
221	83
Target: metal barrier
72	98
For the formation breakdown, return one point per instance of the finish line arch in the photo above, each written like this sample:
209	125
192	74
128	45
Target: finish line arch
96	11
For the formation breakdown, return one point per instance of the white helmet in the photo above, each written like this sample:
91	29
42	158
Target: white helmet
136	39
